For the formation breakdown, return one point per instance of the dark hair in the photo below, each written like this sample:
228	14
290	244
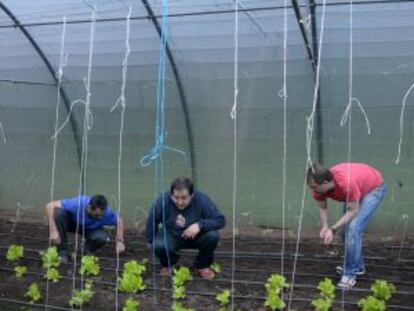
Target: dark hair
181	183
319	174
98	201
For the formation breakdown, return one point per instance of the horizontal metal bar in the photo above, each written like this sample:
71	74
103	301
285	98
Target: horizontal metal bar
227	11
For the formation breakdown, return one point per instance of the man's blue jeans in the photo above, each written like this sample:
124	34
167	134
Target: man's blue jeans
354	260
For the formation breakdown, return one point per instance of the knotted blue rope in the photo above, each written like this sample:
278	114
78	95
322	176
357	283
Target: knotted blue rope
160	133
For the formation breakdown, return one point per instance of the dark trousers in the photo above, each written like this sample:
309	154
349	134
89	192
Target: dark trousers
64	224
166	248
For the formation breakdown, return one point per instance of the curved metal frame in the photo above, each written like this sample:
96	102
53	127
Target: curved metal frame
180	91
53	73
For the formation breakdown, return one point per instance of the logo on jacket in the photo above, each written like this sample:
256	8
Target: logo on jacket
180	221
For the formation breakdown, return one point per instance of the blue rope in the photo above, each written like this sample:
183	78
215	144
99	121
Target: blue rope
155	155
157	149
160	133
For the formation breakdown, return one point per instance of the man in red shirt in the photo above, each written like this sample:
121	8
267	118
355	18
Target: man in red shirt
361	188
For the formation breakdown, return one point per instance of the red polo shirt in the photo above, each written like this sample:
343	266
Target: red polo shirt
352	182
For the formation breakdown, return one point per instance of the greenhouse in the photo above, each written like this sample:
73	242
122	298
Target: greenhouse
207	155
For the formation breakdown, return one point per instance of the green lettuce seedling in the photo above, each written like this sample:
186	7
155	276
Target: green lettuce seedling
131	281
89	266
327	295
274	286
178	292
179	307
383	290
20	271
322	304
15	252
80	297
50	258
130	305
181	276
224	299
33	293
215	266
371	303
327	289
53	275
134	267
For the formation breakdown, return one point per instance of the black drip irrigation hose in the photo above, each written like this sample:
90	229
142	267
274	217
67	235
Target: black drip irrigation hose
210	294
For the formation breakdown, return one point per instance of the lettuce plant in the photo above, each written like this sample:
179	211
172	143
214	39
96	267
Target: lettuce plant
179	292
130	305
371	303
80	297
50	258
327	295
53	275
20	271
33	293
179	307
131	280
181	276
15	252
274	286
224	299
215	266
89	266
383	290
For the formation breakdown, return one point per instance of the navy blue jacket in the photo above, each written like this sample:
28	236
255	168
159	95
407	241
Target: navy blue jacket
201	210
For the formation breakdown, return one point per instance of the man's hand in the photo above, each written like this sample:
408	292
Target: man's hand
323	231
329	236
191	231
55	237
120	247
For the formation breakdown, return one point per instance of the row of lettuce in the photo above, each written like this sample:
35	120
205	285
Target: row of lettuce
131	282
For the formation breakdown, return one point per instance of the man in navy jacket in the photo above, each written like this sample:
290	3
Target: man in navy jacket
190	220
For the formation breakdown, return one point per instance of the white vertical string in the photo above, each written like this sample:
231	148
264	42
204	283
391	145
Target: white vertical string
402	122
350	99
284	96
62	64
3	134
122	102
233	115
87	125
309	134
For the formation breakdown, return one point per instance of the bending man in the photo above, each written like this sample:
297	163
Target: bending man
361	188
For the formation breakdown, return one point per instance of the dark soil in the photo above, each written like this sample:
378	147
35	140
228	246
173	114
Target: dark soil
255	259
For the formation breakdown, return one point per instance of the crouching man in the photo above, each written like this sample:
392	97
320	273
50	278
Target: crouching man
86	216
190	219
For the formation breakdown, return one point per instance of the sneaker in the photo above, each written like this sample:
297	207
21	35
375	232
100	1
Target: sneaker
165	271
339	270
347	282
206	273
